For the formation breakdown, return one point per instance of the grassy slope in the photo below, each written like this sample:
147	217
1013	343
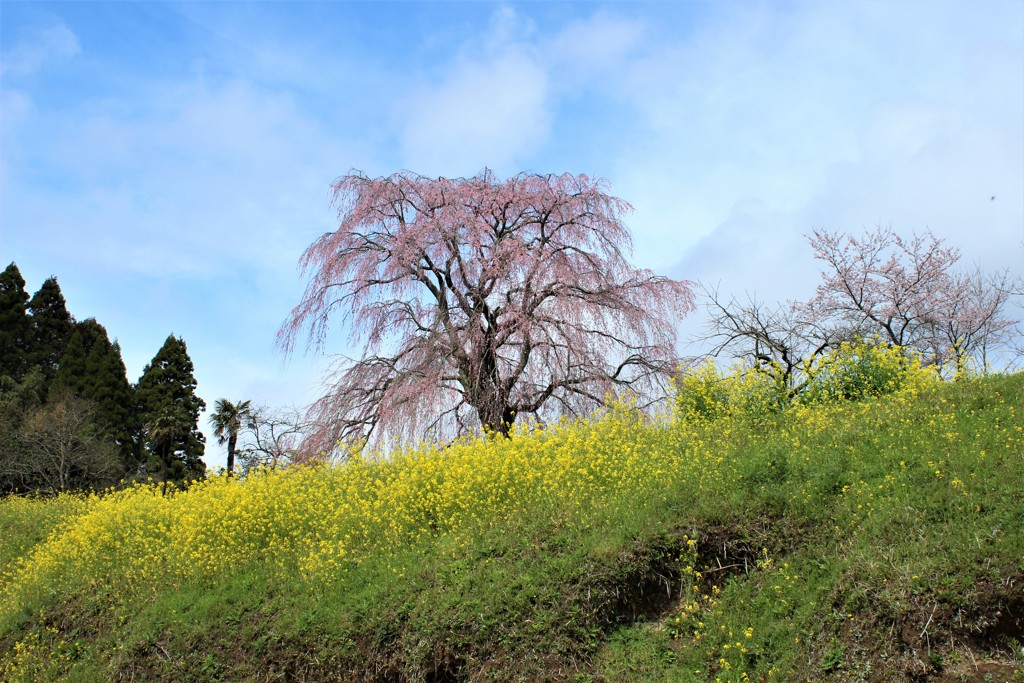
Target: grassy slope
872	541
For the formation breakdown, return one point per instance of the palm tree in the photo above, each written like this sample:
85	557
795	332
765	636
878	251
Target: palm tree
227	419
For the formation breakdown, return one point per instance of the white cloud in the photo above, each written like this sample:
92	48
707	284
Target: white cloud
202	179
595	45
37	47
836	115
183	212
491	107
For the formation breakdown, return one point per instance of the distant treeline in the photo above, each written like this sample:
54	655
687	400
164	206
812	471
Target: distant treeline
69	417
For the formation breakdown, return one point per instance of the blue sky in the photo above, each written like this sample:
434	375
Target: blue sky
170	162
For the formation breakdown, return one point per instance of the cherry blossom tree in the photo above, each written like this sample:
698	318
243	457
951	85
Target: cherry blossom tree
911	293
907	291
977	326
477	301
884	284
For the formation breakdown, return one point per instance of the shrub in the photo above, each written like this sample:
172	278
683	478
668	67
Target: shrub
861	370
705	395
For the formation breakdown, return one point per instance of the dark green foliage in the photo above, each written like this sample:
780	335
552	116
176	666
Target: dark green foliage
23	395
65	380
92	368
18	400
72	368
14	323
169	412
52	327
51	445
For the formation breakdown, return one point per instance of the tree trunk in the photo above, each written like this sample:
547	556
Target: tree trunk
232	440
165	456
498	419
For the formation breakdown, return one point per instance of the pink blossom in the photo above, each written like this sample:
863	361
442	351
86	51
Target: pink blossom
476	301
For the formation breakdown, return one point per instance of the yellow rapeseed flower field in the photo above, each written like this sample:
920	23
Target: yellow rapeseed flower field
872	435
317	520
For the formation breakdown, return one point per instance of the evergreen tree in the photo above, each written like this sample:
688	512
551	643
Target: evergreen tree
92	368
169	412
117	407
14	323
52	327
71	369
18	401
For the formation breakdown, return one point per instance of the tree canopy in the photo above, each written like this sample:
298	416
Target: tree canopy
92	368
69	418
14	323
477	301
52	327
169	410
910	291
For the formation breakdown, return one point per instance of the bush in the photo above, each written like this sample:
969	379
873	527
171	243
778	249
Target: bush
705	395
852	372
857	371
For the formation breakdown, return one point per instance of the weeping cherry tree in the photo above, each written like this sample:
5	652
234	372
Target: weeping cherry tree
478	301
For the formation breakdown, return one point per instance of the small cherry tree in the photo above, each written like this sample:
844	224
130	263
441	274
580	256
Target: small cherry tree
907	292
977	327
911	293
477	301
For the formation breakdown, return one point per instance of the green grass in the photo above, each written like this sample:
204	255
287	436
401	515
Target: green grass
879	541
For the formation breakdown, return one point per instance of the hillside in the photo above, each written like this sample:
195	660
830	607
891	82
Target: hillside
877	540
